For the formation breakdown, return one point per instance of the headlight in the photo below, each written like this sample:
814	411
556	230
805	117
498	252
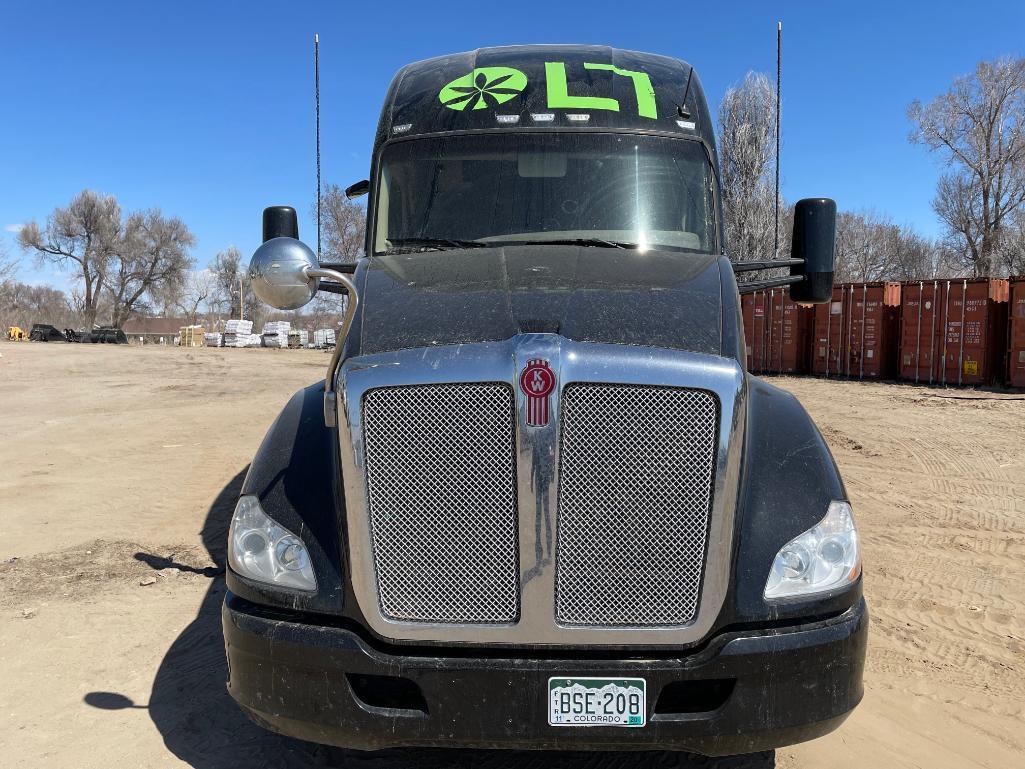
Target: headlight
825	557
263	550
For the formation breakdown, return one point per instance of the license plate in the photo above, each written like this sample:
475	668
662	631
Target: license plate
597	702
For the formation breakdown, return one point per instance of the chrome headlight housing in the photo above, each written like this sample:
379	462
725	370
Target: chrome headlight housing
825	557
263	550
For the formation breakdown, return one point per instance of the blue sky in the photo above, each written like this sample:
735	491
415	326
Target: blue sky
205	109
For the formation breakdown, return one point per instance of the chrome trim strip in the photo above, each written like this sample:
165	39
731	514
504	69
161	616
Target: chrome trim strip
537	453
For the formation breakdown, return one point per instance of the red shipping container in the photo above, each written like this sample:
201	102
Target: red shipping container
1016	332
753	307
953	331
856	333
777	332
920	325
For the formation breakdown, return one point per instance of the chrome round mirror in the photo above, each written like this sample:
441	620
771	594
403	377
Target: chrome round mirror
277	273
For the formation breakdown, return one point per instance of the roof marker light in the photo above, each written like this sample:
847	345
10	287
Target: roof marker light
578	118
687	124
542	117
402	128
507	119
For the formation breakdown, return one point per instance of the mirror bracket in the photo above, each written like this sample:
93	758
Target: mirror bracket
357	190
330	398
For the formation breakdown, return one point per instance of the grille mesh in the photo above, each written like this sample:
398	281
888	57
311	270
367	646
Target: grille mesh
635	494
441	488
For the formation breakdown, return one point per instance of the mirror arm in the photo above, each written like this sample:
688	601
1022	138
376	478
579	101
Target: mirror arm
333	288
330	398
769	264
347	267
761	285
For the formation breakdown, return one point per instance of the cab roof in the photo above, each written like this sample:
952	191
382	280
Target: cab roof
561	87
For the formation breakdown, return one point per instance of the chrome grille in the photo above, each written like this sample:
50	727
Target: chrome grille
441	490
635	493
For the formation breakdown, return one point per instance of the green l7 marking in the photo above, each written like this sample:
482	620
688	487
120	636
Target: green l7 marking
559	96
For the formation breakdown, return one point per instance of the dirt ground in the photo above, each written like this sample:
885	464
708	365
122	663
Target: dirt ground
119	468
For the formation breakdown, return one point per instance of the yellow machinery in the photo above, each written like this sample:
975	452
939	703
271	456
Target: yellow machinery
16	334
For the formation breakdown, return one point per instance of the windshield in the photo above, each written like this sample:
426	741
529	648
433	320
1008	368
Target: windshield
623	190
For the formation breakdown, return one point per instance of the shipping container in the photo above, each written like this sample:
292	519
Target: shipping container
1016	332
954	331
777	331
920	327
856	333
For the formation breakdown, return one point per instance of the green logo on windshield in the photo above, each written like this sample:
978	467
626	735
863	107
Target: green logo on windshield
484	87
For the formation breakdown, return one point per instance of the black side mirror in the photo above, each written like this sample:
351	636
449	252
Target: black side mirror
814	241
359	189
280	222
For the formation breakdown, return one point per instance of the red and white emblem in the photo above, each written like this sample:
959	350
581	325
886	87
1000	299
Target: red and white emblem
537	382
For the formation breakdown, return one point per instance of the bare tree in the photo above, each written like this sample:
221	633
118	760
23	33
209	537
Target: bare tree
910	256
345	226
747	135
22	304
198	287
859	246
83	235
1011	251
978	126
152	257
7	266
231	288
870	247
227	270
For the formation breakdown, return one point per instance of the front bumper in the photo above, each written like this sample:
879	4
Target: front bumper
743	692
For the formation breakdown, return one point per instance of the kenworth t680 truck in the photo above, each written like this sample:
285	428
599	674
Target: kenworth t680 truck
538	501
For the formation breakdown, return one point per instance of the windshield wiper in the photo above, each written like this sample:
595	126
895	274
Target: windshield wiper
405	245
599	242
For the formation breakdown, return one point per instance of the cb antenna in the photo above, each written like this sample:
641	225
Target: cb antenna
681	109
779	47
316	89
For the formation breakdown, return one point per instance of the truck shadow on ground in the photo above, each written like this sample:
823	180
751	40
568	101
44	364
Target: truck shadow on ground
202	726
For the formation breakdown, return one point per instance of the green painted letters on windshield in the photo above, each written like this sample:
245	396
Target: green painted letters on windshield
559	96
642	88
558	91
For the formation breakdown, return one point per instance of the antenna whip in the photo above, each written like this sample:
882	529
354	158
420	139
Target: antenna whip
316	88
779	46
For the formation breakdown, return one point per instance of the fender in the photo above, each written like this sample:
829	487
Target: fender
788	480
295	476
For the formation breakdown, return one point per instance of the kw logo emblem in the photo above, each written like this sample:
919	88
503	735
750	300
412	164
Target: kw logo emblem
537	382
484	87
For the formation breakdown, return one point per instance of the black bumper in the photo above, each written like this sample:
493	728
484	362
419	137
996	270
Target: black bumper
743	692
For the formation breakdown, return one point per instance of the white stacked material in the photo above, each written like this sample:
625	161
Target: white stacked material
212	340
298	338
324	337
275	333
275	340
238	327
241	340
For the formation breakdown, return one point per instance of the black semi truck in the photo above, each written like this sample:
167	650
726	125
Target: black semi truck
537	501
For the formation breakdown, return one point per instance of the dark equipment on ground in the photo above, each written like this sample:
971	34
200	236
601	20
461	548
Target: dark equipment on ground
43	332
99	335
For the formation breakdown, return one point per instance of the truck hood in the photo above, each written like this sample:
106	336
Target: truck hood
588	294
